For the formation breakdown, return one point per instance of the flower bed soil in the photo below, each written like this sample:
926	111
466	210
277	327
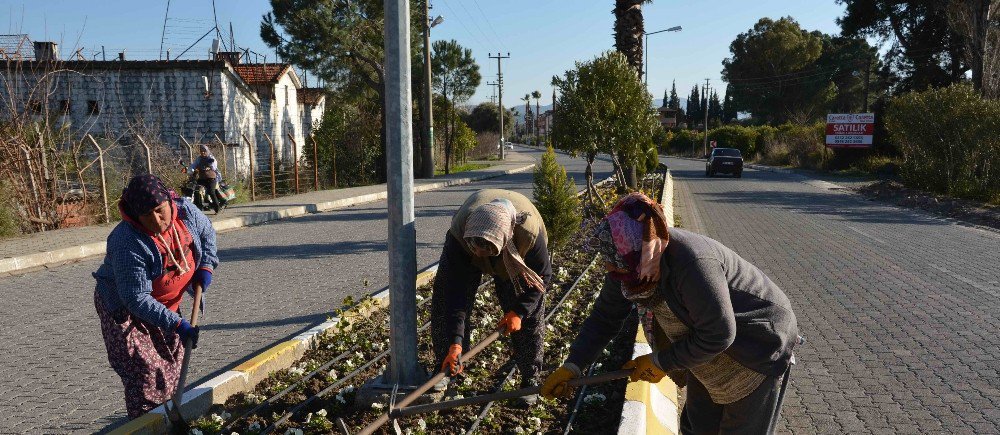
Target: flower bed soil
364	338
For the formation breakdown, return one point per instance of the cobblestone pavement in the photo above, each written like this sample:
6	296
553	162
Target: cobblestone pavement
900	309
275	281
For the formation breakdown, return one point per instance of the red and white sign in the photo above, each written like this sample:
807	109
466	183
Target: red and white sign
850	130
713	144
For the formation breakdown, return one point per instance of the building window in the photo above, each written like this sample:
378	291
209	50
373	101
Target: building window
286	95
93	107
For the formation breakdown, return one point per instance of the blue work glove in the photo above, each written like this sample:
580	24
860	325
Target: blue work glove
203	277
188	332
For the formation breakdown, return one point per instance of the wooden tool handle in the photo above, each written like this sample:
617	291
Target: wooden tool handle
196	305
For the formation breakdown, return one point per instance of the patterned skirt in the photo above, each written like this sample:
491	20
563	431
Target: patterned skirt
146	358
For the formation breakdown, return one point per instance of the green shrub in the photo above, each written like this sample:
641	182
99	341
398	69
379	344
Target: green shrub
736	136
949	139
684	142
805	144
556	200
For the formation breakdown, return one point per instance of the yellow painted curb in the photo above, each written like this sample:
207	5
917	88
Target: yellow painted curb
253	364
146	424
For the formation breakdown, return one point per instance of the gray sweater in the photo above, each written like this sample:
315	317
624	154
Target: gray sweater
728	304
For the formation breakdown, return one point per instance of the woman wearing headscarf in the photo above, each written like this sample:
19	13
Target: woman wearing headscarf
499	233
206	171
162	247
714	321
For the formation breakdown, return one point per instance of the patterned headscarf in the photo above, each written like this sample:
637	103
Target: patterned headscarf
206	149
495	222
143	194
633	237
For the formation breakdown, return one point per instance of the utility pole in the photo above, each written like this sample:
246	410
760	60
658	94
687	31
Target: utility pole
704	96
403	369
499	57
427	153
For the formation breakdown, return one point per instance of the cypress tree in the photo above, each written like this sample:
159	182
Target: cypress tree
675	101
556	200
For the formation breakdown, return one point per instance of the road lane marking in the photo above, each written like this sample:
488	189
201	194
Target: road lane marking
968	281
868	235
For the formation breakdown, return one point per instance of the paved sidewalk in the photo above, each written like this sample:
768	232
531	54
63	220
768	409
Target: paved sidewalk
53	248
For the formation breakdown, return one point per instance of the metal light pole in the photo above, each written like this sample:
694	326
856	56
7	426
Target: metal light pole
404	368
427	154
645	56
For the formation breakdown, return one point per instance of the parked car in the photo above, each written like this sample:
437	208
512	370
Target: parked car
724	160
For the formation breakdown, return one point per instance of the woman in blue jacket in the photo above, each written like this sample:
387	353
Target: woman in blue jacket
162	247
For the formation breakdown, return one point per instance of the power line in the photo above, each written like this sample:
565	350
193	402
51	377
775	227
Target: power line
476	25
490	24
469	32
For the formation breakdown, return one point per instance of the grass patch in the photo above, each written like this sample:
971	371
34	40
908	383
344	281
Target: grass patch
463	168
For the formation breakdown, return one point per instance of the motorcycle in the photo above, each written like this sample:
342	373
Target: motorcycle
199	196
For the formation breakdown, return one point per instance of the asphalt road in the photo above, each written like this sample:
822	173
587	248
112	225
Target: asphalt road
275	281
900	309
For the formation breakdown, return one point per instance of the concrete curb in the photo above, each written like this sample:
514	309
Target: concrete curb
73	253
198	400
652	408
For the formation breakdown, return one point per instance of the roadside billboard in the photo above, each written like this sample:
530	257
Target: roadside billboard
850	130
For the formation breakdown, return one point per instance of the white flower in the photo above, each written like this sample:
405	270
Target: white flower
235	433
333	374
321	413
294	431
519	430
217	418
297	371
420	298
422	424
309	417
595	398
196	432
377	405
535	422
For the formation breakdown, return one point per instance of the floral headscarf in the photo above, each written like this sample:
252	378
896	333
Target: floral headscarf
633	237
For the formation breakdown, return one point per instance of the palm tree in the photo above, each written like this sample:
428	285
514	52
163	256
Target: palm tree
527	113
555	83
538	114
629	30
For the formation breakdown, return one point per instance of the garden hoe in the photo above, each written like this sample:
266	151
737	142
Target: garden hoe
174	412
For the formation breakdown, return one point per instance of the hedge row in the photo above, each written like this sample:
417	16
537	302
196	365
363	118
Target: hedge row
949	139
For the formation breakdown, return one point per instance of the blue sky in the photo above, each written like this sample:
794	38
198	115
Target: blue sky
544	37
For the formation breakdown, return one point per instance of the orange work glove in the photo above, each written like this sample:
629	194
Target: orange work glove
452	365
555	385
511	322
644	369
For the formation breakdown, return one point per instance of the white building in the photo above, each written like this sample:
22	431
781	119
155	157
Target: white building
165	100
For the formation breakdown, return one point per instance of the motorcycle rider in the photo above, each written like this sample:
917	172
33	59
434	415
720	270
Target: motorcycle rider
206	170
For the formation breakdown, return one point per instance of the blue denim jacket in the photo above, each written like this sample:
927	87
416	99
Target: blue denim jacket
132	262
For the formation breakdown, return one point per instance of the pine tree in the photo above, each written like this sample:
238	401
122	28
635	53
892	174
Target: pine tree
728	106
665	100
556	200
675	101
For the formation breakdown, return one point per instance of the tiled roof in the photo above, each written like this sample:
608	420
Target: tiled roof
310	95
261	73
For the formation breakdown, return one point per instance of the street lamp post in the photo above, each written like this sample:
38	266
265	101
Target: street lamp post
645	74
427	154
